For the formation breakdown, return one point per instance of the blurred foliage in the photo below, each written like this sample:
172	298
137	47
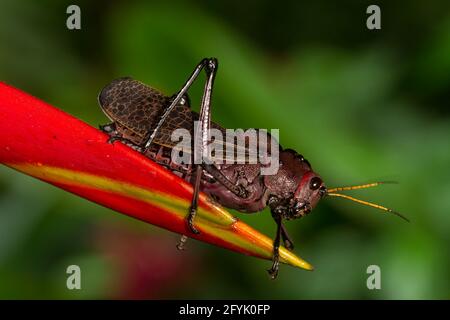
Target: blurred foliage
360	105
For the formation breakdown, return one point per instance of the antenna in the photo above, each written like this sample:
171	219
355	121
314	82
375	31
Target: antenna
361	186
332	192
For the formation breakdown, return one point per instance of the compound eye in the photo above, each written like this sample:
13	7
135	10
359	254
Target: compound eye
315	183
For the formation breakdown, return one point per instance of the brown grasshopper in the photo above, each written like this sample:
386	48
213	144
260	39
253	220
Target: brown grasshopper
144	119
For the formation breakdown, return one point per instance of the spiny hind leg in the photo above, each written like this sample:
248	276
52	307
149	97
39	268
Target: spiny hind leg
210	66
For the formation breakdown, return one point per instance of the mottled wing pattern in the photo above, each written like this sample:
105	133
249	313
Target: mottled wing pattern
138	107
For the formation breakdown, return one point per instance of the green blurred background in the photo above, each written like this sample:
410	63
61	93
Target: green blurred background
360	105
